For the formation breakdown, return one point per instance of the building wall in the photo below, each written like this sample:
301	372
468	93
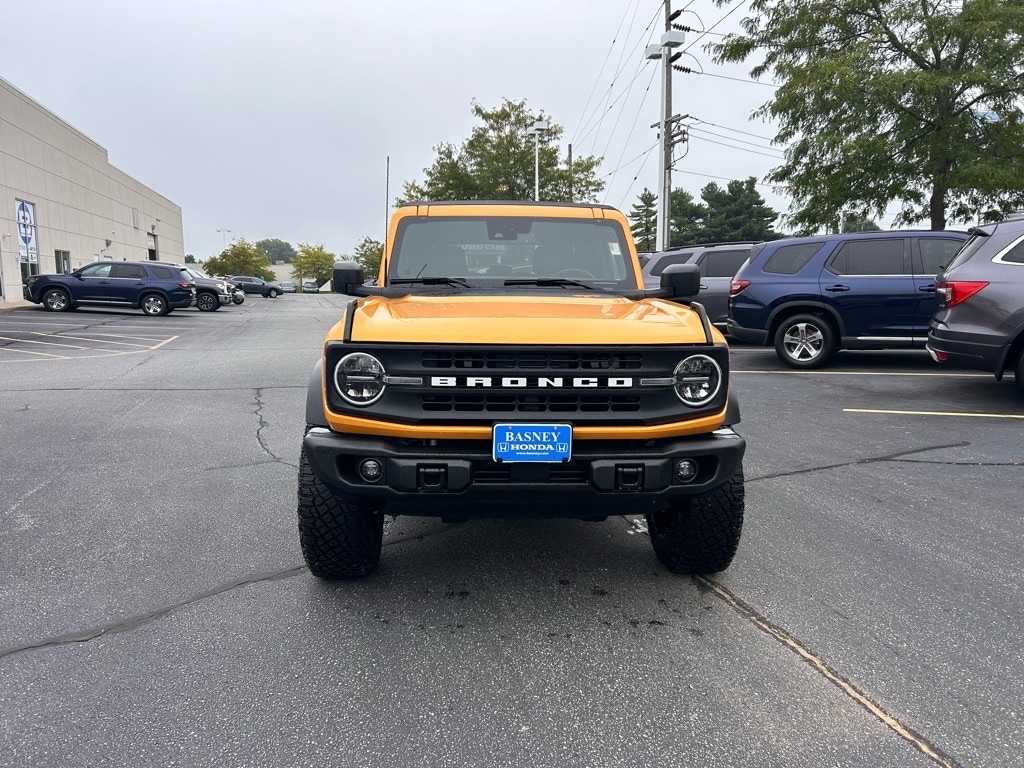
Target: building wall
81	200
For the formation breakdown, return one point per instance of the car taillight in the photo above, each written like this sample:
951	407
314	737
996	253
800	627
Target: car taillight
186	286
737	285
955	292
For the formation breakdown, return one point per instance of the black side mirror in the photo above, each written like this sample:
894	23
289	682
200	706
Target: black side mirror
346	276
681	280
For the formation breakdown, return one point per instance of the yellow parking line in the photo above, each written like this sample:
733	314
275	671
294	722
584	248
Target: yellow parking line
937	413
49	343
165	341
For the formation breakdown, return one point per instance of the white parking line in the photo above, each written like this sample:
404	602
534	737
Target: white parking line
48	343
97	341
937	413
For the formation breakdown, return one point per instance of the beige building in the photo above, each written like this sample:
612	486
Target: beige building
63	205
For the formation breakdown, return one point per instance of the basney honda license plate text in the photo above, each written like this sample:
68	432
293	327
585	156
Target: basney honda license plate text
551	443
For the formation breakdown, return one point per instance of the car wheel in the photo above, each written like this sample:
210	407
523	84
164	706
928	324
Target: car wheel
56	300
1018	371
804	341
340	535
272	293
153	304
700	534
207	302
238	298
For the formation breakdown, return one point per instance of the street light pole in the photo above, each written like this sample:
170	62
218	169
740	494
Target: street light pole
538	126
225	232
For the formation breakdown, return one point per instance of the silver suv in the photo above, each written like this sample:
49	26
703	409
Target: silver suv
979	323
718	262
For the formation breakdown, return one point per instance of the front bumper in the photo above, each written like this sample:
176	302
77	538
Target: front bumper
459	478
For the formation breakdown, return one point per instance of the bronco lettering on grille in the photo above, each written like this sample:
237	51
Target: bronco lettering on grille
536	382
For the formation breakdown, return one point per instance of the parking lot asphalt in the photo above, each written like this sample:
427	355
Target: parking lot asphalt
157	610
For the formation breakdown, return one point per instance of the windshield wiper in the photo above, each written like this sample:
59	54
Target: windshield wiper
556	281
459	281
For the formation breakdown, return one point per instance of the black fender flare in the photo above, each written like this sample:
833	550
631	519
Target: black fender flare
732	410
315	397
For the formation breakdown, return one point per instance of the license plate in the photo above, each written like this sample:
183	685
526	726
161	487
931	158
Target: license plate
542	443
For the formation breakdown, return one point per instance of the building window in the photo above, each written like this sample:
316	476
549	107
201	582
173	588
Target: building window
63	262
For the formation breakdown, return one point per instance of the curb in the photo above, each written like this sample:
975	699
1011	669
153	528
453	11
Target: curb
10	306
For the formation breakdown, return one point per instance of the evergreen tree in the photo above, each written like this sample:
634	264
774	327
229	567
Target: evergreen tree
643	219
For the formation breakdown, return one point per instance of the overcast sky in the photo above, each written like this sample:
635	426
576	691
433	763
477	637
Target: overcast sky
276	119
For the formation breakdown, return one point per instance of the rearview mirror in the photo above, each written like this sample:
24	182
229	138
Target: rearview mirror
346	276
681	280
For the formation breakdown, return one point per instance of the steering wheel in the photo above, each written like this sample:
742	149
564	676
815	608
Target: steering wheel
573	272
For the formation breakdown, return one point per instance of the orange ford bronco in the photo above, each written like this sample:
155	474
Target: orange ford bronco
509	363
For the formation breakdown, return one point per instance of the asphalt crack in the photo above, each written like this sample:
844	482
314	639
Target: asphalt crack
871	460
259	432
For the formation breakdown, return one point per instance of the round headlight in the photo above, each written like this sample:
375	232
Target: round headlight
359	378
698	379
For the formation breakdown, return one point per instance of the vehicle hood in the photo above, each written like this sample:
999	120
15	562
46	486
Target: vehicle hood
524	319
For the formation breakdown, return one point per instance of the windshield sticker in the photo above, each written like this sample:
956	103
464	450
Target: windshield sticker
614	248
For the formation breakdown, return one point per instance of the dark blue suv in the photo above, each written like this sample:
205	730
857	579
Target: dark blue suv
156	289
809	296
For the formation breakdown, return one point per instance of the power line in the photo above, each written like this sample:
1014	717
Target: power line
693	129
689	71
742	149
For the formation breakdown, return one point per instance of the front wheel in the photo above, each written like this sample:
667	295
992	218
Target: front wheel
238	297
804	341
700	534
154	304
272	293
207	302
340	535
56	301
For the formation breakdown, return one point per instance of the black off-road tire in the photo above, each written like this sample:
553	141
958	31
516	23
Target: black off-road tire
805	341
340	535
1018	370
238	297
57	300
207	301
700	534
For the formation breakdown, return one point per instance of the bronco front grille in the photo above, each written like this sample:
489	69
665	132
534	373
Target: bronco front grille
471	385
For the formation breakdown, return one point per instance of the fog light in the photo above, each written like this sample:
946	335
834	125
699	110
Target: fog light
371	470
686	470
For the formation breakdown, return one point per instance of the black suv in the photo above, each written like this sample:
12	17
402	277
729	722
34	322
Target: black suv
156	289
250	284
809	296
979	322
718	264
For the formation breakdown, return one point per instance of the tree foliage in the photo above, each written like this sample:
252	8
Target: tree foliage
643	218
190	259
240	258
859	224
313	262
736	213
368	254
276	250
497	162
892	100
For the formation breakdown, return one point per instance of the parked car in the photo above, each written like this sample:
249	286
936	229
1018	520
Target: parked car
237	294
156	289
287	287
310	286
718	264
979	322
810	296
251	284
211	294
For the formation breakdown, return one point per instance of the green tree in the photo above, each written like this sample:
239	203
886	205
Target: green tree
276	250
686	219
892	100
497	162
313	262
643	218
736	213
368	254
859	224
190	259
240	258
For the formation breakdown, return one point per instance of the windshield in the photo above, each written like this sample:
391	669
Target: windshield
500	251
196	273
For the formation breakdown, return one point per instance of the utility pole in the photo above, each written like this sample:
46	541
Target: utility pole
672	38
